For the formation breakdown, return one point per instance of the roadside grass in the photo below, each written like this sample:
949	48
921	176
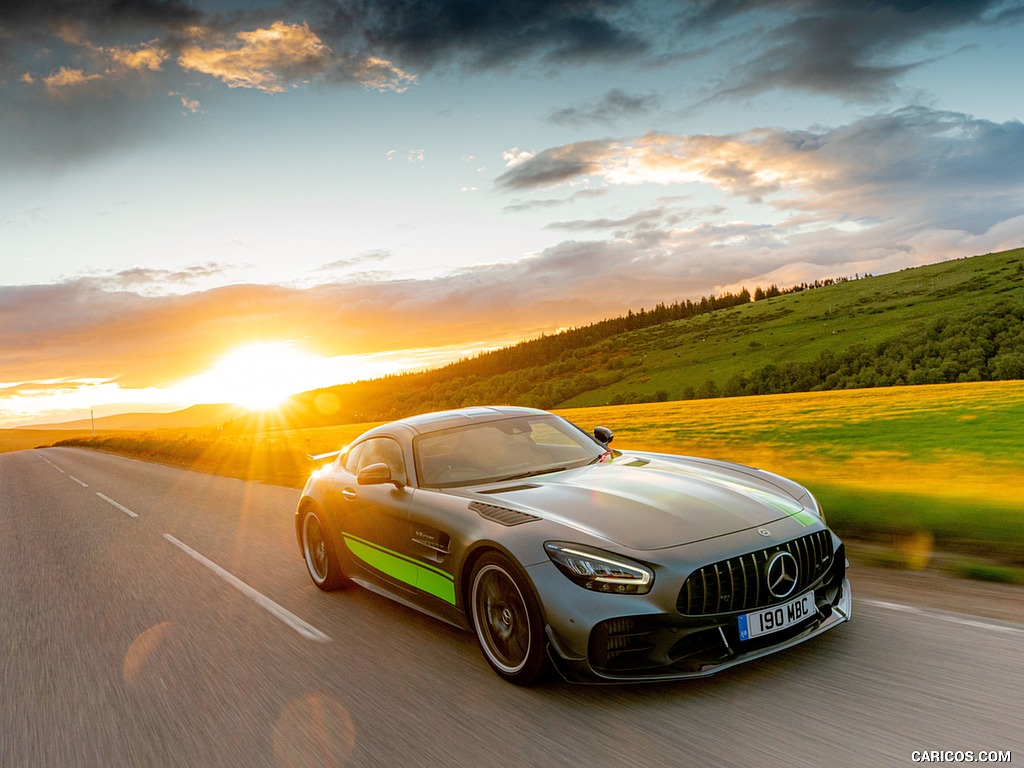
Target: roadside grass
277	457
24	439
918	469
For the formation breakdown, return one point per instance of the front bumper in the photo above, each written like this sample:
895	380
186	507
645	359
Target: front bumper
658	647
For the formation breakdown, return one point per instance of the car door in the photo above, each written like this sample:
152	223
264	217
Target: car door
373	518
431	545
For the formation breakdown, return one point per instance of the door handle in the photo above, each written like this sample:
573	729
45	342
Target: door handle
349	494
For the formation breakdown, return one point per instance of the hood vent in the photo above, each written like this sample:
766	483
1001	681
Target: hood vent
501	515
510	488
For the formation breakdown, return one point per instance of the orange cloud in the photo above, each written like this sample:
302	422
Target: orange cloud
270	59
751	164
68	78
138	59
263	59
110	64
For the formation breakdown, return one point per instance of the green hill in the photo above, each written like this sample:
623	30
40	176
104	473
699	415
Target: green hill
955	321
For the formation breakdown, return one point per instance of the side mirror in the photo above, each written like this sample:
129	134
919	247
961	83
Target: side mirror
375	474
603	435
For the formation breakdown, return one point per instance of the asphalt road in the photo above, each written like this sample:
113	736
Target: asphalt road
155	617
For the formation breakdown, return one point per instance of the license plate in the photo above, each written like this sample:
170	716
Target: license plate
776	618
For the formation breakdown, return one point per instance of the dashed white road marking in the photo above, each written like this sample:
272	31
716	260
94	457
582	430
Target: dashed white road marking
952	618
51	463
306	630
114	504
80	482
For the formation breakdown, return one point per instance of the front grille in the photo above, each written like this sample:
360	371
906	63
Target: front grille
740	583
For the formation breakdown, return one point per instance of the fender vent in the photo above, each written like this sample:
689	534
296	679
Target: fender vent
501	515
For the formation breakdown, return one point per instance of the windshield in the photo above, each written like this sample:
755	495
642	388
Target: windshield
502	450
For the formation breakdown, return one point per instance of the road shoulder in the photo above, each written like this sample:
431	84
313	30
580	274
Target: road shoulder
938	591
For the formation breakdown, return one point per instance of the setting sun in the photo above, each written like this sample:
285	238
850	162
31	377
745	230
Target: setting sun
257	376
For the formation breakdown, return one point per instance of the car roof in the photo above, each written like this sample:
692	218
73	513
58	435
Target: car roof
433	422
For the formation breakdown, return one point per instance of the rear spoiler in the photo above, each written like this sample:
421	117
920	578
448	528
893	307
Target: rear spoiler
318	457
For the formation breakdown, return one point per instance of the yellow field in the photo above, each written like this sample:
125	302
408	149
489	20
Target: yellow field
949	440
24	439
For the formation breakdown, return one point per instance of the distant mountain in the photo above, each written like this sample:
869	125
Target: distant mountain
195	417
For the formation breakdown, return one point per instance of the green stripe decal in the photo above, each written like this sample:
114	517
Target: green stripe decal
431	580
804	518
794	510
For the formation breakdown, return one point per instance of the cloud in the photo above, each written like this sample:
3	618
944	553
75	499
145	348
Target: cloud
856	51
557	165
615	104
359	260
154	280
141	340
374	73
491	34
280	56
884	192
65	78
79	79
85	71
141	58
626	223
914	156
262	59
283	55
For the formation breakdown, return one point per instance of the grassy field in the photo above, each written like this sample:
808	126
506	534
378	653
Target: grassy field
798	327
908	468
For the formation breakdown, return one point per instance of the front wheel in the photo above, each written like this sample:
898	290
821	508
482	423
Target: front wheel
507	620
318	552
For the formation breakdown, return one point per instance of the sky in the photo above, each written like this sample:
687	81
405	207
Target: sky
219	200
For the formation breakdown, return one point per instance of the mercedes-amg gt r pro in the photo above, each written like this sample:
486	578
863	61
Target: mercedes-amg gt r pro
557	550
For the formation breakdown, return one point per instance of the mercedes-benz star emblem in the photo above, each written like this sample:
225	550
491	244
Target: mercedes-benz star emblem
782	573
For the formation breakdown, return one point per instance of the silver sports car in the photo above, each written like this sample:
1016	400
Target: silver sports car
559	551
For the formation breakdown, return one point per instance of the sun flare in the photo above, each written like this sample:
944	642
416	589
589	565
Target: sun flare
257	376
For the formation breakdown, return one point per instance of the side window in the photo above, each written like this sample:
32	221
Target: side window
384	450
351	461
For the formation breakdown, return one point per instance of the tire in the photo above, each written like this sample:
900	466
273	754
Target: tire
507	621
318	552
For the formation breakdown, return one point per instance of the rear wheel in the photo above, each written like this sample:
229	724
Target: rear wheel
318	552
507	620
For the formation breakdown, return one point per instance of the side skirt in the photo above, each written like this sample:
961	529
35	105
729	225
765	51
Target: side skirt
418	607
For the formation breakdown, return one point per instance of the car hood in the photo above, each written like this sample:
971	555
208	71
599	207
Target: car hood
646	502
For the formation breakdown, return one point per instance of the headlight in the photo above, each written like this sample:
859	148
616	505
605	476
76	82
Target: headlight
600	571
